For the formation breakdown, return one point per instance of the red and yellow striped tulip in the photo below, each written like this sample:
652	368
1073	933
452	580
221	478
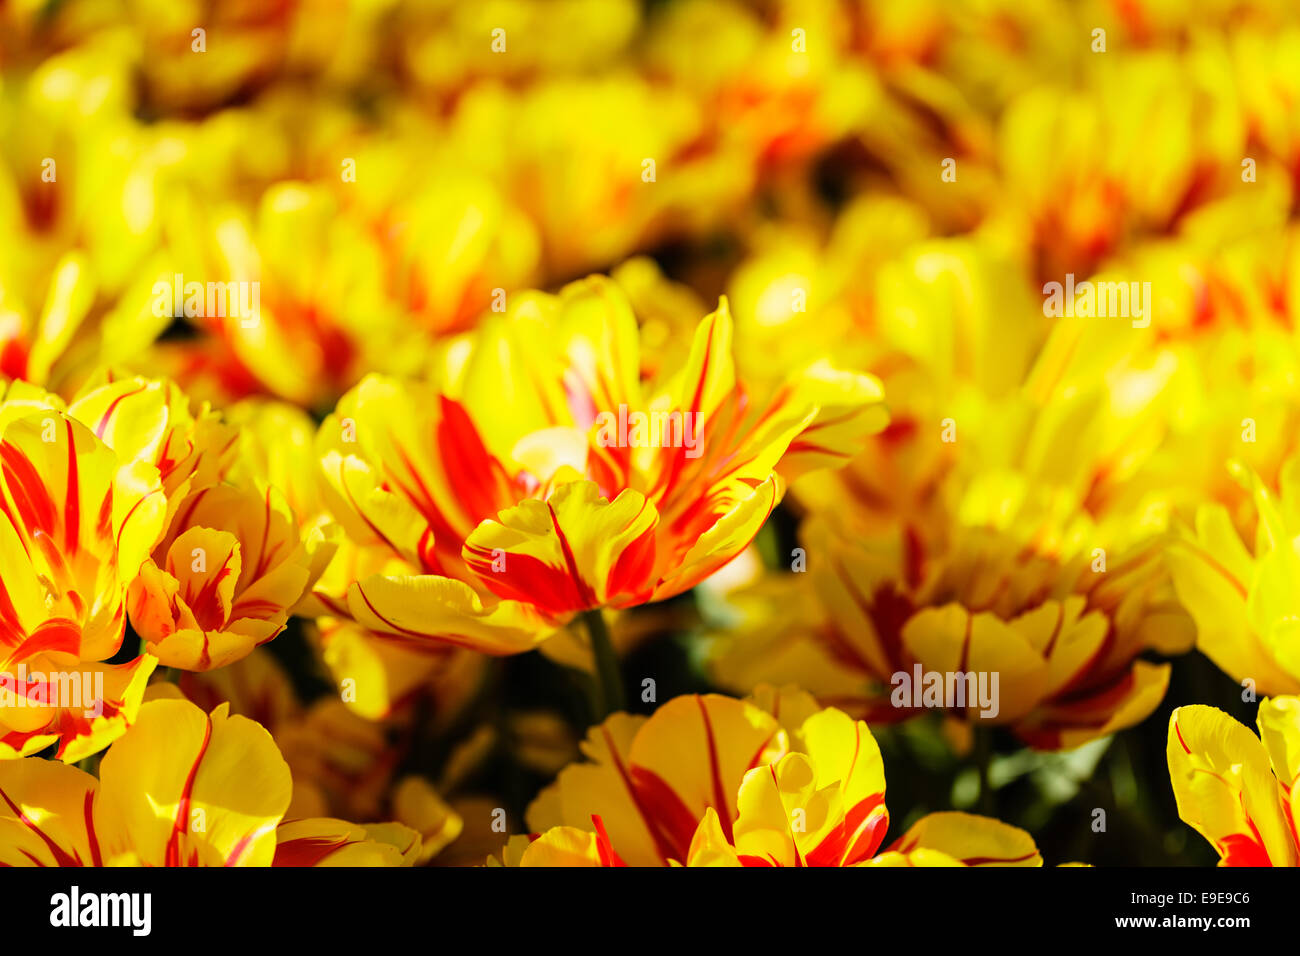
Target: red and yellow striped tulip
180	788
76	523
767	781
1235	789
1062	639
510	505
224	578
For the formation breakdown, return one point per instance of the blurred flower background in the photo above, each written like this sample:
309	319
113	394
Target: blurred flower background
346	516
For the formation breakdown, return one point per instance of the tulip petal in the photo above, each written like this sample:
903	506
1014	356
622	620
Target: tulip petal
573	552
421	608
188	788
1225	789
972	840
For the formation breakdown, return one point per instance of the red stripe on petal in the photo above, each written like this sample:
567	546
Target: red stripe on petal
181	821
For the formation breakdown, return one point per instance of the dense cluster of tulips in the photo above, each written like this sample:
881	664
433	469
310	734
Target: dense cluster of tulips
605	433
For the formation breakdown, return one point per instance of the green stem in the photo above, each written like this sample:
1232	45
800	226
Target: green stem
608	680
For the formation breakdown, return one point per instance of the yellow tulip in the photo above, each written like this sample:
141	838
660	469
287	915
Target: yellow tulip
491	518
1234	788
223	580
768	781
76	524
181	788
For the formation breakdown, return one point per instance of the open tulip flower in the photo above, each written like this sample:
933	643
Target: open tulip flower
181	788
1062	640
76	524
233	561
515	501
768	781
226	576
1236	789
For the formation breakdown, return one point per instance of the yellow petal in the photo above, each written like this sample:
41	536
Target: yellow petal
44	806
188	788
1225	789
972	840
